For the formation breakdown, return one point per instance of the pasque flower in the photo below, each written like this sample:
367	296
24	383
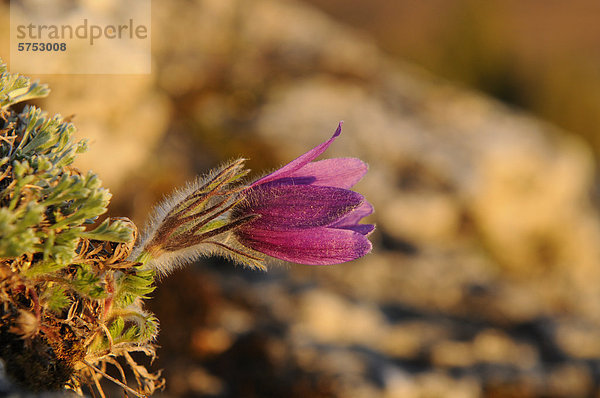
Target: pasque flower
304	212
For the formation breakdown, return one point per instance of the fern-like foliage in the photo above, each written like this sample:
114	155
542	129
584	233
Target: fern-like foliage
68	295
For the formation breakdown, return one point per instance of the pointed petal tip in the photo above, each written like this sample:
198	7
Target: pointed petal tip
352	219
338	131
368	229
363	229
300	161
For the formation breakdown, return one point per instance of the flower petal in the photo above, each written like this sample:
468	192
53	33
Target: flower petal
314	246
352	219
336	172
363	229
299	162
290	207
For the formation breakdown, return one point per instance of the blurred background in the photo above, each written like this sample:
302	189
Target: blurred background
479	120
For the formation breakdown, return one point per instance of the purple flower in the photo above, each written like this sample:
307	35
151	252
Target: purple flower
306	213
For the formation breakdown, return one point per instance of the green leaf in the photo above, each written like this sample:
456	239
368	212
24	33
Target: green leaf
17	235
55	298
44	268
115	231
131	286
116	328
88	284
15	88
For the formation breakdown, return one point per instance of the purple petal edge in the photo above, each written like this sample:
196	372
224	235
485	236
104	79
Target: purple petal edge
354	217
351	220
300	161
336	172
363	229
